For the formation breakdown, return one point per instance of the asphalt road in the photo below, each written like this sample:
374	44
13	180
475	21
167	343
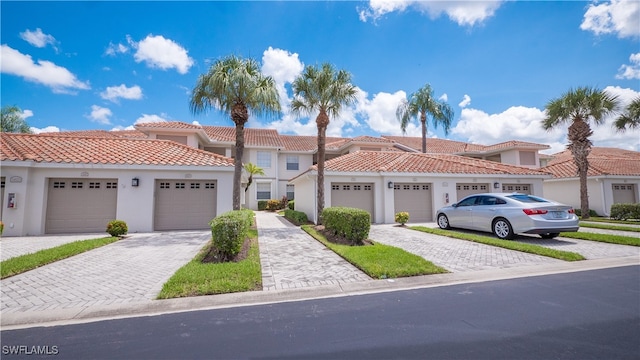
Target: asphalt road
583	315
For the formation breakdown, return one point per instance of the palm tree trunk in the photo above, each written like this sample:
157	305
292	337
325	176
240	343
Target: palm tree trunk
239	115
580	147
322	121
423	121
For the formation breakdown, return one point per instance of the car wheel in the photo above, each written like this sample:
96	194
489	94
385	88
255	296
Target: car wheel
502	229
549	235
443	222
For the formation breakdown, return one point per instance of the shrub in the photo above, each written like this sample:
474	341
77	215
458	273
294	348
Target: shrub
273	205
291	205
350	223
402	217
625	211
262	204
297	217
117	228
283	203
591	212
229	230
1	227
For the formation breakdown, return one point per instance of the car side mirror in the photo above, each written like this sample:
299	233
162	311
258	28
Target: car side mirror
455	205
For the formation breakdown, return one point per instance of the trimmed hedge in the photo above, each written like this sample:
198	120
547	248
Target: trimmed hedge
117	228
229	230
273	205
592	213
291	205
625	211
351	223
296	217
262	205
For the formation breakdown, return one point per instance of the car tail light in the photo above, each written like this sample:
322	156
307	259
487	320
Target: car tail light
571	211
534	211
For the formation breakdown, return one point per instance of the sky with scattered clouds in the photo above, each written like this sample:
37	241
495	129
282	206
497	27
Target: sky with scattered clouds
109	65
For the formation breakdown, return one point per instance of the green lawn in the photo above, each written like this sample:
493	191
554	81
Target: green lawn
607	238
20	264
603	225
197	278
380	261
507	244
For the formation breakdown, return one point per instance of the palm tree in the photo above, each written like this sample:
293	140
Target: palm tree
630	118
423	103
236	86
325	90
11	120
252	169
579	106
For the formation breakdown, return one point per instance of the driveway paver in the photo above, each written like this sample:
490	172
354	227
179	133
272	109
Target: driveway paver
291	258
129	270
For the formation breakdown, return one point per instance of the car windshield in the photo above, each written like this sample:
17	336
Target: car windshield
526	198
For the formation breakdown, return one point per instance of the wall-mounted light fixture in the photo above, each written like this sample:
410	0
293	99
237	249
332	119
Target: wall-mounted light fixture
496	185
135	182
390	184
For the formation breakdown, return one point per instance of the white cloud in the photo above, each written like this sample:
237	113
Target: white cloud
37	38
48	129
444	97
631	71
146	118
464	13
114	49
162	53
120	127
606	135
283	67
113	93
380	114
44	72
26	114
100	115
621	17
466	100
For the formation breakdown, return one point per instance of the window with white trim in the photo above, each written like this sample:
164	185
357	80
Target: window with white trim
264	159
290	192
263	191
293	162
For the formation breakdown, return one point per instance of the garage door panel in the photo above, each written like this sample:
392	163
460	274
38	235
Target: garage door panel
416	199
463	190
356	195
185	205
80	205
623	194
519	188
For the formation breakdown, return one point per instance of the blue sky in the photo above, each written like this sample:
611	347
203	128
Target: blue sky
109	65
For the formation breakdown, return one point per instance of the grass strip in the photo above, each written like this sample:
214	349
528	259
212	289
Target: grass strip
23	263
609	227
379	261
197	278
507	244
609	220
606	238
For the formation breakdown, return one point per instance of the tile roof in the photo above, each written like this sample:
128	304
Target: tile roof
435	145
221	133
602	162
169	125
101	150
403	162
517	144
131	134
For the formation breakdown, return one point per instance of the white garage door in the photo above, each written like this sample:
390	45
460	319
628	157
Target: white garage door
520	188
623	194
414	199
463	190
185	205
356	195
80	205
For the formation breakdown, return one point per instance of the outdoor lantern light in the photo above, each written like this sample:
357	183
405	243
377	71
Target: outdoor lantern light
496	185
390	185
135	182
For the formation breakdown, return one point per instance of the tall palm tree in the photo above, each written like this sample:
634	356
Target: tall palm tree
252	169
423	103
325	90
580	106
237	87
11	120
630	118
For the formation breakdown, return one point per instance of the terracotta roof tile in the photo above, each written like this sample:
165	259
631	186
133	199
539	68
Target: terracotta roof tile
517	144
221	133
131	134
100	150
168	125
403	162
602	161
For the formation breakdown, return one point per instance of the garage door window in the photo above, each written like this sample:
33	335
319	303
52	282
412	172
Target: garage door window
263	191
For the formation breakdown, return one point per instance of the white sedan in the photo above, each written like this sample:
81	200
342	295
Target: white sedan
508	214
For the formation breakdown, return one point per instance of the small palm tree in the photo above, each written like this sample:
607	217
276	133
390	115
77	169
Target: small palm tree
236	86
423	103
252	169
579	106
325	90
630	118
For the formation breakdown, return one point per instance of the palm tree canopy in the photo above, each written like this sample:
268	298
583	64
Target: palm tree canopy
630	118
253	169
322	89
11	120
423	103
583	103
233	81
